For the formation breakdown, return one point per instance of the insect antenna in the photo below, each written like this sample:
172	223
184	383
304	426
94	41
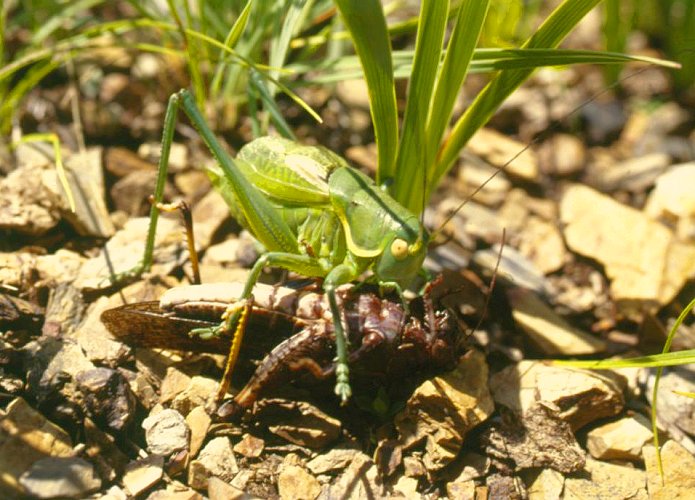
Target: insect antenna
552	128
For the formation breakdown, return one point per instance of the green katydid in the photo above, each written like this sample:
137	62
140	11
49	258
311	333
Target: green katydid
314	214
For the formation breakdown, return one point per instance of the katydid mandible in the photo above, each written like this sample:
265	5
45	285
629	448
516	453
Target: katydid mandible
314	214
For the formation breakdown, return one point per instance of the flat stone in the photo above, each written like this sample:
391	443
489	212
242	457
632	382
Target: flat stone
201	391
60	477
108	397
25	437
563	154
679	472
607	480
473	174
166	432
671	200
442	411
198	422
498	149
550	332
360	480
249	446
620	440
220	490
175	491
216	459
334	459
143	474
645	264
634	175
582	395
547	485
298	422
462	490
294	482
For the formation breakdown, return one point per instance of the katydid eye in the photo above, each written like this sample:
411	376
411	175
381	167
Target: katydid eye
399	249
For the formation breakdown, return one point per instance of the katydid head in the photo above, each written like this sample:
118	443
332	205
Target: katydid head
403	256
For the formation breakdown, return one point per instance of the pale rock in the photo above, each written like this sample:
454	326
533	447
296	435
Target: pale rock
201	391
294	482
413	467
220	490
353	93
550	332
360	480
147	66
175	491
513	268
60	477
645	264
25	437
675	411
125	250
208	216
564	154
607	480
471	220
85	176
334	459
198	422
178	155
96	341
166	432
620	440
582	395
114	493
679	472
223	253
442	411
249	446
61	266
142	474
462	491
472	174
634	175
131	192
299	422
26	205
673	199
547	485
216	459
407	486
542	243
174	382
474	466
498	149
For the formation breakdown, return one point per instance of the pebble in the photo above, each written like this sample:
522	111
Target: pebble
108	397
620	440
462	491
249	446
547	485
360	480
220	490
634	175
299	422
673	199
166	432
498	149
334	459
201	391
444	409
216	459
563	155
60	477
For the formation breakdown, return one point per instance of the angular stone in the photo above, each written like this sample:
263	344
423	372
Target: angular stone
607	480
220	490
673	199
442	411
198	422
334	459
60	477
679	472
142	474
360	480
647	267
547	485
25	437
294	482
620	440
498	149
249	446
201	391
582	395
551	333
298	422
216	459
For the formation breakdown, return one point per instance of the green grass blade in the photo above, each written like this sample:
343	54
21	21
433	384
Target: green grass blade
650	361
365	21
270	105
230	41
64	15
410	168
550	34
279	47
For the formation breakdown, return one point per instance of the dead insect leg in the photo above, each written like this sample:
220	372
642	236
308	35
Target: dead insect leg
246	305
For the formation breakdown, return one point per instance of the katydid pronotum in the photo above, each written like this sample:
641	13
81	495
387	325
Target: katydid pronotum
314	214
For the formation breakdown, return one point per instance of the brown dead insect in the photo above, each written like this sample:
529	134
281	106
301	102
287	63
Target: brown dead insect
387	342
